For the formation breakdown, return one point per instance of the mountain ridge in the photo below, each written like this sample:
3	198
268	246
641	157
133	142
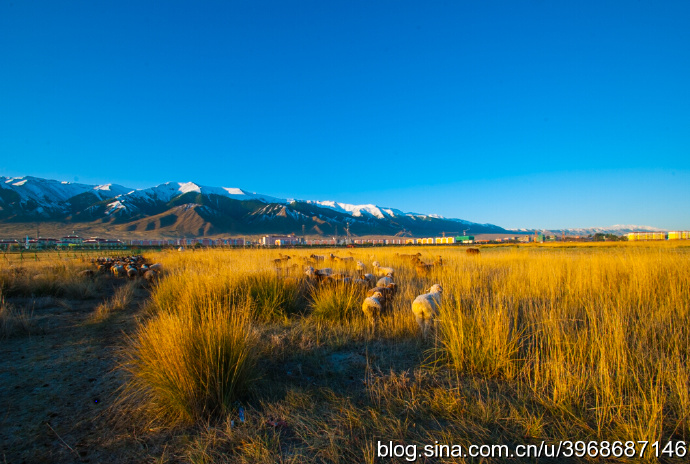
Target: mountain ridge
214	210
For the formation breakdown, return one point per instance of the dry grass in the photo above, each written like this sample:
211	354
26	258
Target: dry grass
590	342
58	278
121	298
549	342
13	321
192	362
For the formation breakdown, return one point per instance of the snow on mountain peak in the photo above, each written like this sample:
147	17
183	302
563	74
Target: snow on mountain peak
189	187
234	191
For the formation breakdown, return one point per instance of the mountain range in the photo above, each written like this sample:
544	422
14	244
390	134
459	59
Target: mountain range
186	209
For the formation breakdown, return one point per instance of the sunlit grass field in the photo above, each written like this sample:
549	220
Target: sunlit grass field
534	343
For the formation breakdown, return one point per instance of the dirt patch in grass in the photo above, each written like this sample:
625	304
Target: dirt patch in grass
59	379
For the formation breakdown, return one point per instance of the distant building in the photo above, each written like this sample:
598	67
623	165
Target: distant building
637	236
280	240
68	240
8	244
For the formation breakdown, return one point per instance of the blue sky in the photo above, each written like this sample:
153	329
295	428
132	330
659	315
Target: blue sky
522	114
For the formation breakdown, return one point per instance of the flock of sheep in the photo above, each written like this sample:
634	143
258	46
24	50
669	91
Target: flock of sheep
382	288
125	266
380	283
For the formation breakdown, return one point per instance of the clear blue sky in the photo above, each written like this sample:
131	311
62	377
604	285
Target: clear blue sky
522	114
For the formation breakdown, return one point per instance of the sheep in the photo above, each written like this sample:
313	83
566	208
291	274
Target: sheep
316	257
118	270
372	308
86	273
132	272
370	278
388	292
382	271
151	276
439	261
318	274
338	278
425	308
366	280
361	267
472	251
383	281
158	267
423	268
282	259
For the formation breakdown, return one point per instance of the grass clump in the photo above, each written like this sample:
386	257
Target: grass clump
120	300
45	278
273	298
13	321
193	363
337	301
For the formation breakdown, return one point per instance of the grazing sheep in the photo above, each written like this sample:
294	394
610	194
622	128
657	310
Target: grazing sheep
338	278
86	273
118	270
388	292
382	271
318	274
317	258
425	308
361	267
372	308
472	251
370	278
151	276
423	268
158	267
383	281
132	272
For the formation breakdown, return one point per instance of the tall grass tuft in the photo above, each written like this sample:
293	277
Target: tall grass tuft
48	278
13	321
271	297
191	364
337	301
119	301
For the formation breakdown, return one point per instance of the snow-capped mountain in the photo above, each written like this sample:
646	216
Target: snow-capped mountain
618	229
52	191
189	208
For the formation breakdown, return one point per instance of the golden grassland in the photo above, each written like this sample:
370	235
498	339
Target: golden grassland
542	342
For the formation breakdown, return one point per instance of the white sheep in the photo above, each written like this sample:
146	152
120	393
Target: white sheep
425	308
118	270
382	271
372	308
384	281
